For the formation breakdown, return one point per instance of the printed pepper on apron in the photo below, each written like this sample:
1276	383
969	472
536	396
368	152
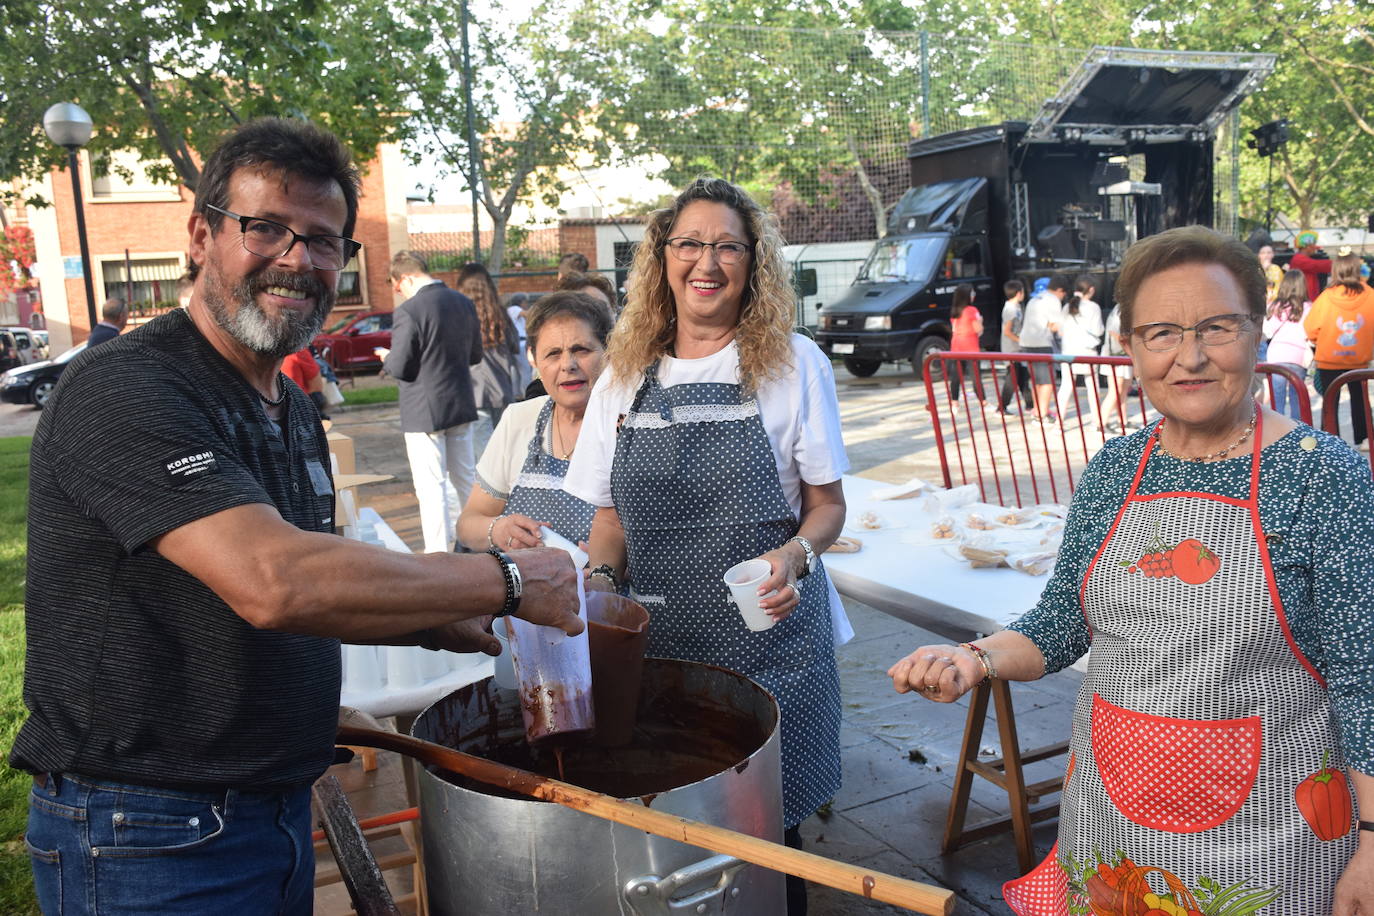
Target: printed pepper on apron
1205	773
696	487
538	491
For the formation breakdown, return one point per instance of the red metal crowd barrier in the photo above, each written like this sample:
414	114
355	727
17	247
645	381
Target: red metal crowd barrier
1357	381
1017	458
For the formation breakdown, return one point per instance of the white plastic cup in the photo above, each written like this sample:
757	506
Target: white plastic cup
504	675
743	580
403	667
554	539
433	664
362	668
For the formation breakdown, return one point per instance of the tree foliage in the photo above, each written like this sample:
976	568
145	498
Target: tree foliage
167	79
530	122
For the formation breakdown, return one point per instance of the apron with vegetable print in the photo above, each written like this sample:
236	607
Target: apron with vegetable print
538	491
1205	775
696	487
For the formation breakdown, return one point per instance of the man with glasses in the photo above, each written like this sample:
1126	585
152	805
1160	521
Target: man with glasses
185	598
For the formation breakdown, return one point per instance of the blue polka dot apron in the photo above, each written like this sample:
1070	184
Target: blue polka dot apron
1204	761
538	491
696	486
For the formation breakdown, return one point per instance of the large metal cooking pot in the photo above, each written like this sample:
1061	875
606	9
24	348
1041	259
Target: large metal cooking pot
705	747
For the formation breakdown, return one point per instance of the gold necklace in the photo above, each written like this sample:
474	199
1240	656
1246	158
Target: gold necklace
558	439
1217	455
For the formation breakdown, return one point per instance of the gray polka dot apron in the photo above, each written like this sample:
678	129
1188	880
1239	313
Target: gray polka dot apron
538	491
1204	761
696	486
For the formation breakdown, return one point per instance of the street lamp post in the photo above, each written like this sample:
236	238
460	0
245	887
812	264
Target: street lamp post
68	125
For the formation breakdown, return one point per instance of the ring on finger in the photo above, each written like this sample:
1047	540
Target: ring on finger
932	688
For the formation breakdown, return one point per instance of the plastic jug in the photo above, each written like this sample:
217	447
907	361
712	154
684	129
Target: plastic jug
619	631
554	673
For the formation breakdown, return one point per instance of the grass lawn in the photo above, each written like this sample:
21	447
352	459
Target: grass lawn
16	886
378	395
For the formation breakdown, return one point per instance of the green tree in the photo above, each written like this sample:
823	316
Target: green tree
167	79
810	103
531	123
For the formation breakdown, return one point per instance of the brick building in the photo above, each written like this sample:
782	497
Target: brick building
137	233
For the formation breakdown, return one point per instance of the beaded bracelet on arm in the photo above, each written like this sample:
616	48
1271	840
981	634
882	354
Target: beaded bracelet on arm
989	671
514	585
604	571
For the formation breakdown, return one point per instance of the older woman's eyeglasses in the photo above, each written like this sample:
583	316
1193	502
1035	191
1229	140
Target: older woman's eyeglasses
685	249
1211	332
268	239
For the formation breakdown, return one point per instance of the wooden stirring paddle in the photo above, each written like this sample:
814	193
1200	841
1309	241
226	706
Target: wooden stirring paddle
875	885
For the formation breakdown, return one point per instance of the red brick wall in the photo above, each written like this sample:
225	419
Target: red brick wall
581	239
372	232
110	228
536	282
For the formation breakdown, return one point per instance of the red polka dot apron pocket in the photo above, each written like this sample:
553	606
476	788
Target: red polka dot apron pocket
1042	891
1175	775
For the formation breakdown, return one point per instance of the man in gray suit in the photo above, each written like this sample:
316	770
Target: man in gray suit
435	337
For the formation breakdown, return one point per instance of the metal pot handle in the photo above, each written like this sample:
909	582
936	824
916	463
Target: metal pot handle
650	895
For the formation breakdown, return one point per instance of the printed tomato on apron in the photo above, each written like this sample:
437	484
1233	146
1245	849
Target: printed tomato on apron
1205	772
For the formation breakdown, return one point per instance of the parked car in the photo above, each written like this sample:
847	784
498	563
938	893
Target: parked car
21	346
348	345
34	384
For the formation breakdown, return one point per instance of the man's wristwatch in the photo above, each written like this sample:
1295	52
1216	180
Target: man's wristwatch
514	584
810	555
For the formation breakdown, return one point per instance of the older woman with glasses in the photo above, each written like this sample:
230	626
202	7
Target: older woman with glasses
1218	564
714	438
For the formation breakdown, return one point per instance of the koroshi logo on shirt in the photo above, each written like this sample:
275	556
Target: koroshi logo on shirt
195	464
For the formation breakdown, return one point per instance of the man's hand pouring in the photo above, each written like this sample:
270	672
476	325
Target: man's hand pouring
549	589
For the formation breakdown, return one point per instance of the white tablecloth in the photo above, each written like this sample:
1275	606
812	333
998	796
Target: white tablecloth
421	677
921	583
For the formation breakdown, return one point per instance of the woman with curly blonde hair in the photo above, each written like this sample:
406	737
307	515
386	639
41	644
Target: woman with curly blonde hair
714	438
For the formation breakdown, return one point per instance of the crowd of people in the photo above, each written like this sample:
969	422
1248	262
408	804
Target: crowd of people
1313	333
190	531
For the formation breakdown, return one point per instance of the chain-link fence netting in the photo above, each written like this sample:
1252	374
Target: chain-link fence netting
818	121
815	122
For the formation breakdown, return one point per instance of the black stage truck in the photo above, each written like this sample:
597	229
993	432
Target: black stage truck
1125	150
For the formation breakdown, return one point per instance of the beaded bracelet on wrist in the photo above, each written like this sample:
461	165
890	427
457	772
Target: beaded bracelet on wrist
514	586
604	571
989	672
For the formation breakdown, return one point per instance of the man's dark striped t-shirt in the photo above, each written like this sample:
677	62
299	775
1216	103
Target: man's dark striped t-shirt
135	671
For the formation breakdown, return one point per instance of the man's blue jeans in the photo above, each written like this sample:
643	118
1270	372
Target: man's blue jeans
110	848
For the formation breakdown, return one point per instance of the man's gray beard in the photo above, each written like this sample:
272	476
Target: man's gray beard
255	329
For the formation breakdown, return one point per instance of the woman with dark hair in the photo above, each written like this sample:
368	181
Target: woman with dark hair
1341	327
520	475
968	327
495	381
714	438
1217	563
1080	333
1288	347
